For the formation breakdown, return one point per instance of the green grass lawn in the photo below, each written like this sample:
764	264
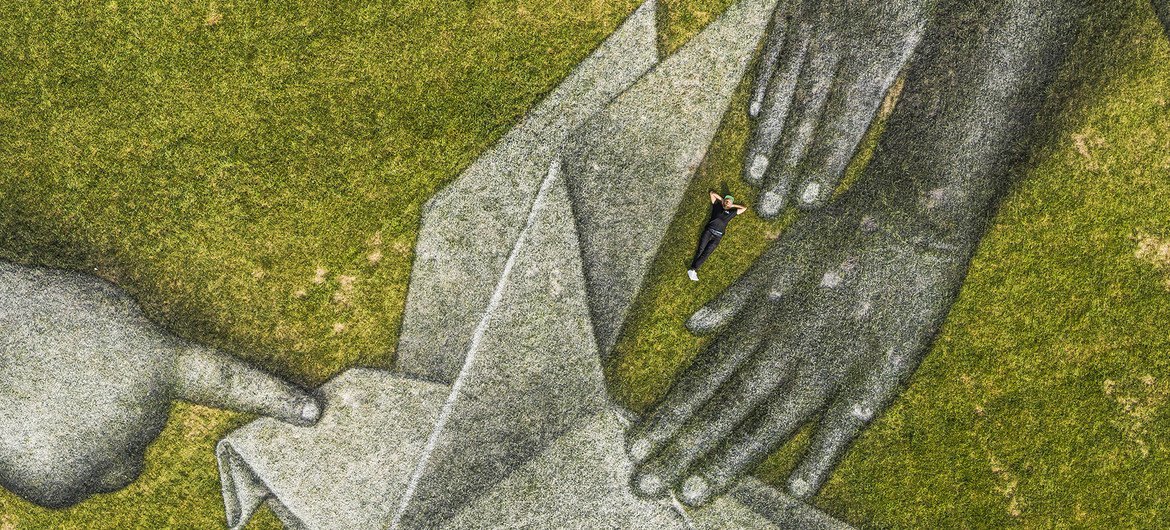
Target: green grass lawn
254	173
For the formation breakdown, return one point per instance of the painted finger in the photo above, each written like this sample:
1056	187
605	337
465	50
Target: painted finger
727	304
748	288
847	120
849	415
698	383
751	445
775	106
907	338
778	31
752	385
816	84
840	426
772	276
209	377
863	87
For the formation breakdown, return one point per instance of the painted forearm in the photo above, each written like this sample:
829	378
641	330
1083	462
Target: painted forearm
964	117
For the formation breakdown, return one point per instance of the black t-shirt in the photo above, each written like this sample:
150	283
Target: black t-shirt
720	216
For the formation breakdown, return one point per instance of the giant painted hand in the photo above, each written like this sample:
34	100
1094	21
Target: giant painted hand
837	314
824	71
86	382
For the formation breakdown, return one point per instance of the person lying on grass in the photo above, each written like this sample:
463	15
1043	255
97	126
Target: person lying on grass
723	209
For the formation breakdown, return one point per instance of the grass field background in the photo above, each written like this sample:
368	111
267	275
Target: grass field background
253	174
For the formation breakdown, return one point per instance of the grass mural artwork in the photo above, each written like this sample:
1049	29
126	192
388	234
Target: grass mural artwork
254	176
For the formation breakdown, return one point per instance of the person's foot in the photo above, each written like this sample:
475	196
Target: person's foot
694	276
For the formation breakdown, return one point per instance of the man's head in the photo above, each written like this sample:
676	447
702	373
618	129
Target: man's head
728	200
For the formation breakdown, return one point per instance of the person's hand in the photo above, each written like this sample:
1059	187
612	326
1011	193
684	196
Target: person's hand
834	318
86	382
825	68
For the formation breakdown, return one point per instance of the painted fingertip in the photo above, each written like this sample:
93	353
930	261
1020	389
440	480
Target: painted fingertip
695	490
799	487
703	320
757	168
651	485
770	204
754	108
640	450
310	411
811	194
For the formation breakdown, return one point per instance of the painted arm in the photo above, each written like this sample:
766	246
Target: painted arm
715	197
824	71
836	316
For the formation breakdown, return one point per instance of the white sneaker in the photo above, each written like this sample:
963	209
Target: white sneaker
694	276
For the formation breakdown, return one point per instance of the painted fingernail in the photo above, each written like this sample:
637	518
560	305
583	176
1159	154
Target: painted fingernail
771	203
862	412
695	490
756	170
650	485
811	193
310	411
640	450
703	320
799	487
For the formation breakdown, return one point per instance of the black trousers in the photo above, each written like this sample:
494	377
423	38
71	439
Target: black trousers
707	243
